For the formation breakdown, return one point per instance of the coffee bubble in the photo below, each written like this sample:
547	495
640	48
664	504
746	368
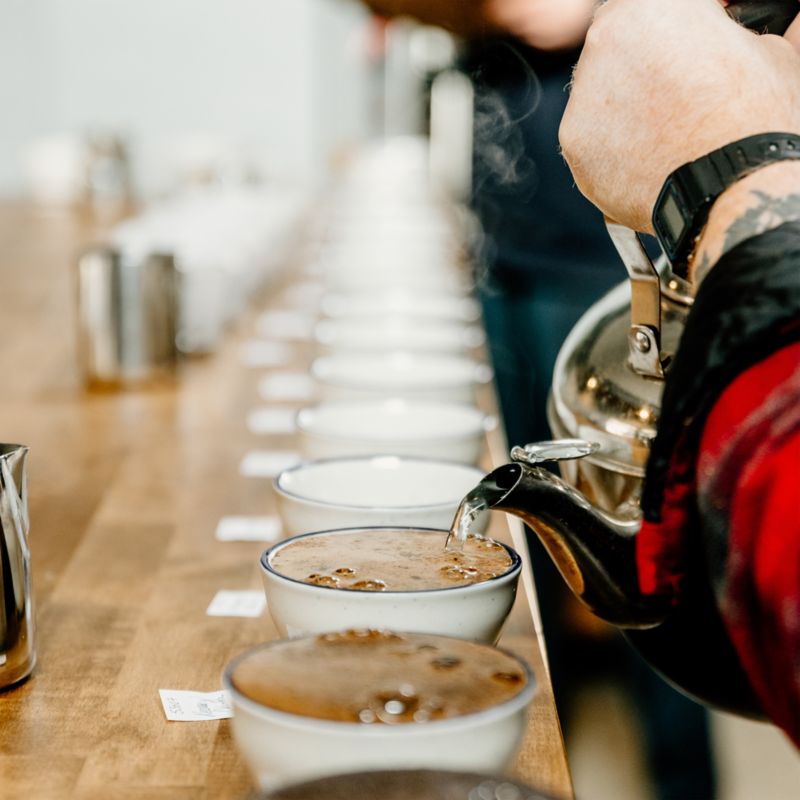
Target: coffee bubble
393	707
452	572
344	571
446	662
322	580
509	678
358	636
368	586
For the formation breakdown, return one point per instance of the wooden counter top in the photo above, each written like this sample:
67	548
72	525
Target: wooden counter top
126	491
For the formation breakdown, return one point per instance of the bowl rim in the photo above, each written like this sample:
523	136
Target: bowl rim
486	715
461	335
400	295
510	575
482	420
281	491
480	373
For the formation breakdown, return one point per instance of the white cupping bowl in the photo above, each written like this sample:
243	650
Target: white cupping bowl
431	305
443	431
396	333
381	274
282	748
444	378
476	611
365	492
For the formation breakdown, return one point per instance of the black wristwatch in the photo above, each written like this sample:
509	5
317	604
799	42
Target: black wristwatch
683	206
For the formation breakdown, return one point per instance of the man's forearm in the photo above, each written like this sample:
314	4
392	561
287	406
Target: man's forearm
462	17
758	203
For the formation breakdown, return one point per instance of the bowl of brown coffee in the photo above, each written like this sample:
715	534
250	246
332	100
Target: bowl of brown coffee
411	784
367	699
399	578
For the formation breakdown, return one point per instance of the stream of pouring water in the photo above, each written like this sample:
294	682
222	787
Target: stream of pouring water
470	508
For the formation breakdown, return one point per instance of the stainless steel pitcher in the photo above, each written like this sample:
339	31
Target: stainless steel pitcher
17	640
127	316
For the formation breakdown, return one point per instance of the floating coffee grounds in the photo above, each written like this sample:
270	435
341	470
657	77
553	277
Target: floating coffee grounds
409	785
390	560
378	678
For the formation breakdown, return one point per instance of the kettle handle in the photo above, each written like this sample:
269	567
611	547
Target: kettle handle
644	334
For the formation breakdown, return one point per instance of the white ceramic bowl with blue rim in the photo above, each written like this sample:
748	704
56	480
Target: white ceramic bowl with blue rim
419	376
419	428
281	748
365	335
400	302
474	611
369	491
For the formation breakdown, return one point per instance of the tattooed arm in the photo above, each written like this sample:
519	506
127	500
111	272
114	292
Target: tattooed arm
756	204
723	467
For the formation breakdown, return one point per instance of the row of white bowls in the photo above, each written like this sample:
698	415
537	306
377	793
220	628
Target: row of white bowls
393	442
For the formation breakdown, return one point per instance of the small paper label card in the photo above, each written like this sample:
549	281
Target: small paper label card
248	529
259	353
229	603
267	463
271	420
182	706
287	386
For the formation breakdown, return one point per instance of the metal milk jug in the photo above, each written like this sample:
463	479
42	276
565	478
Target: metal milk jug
17	641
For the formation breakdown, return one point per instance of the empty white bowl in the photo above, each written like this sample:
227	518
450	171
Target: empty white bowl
442	431
396	333
281	748
419	376
387	279
474	611
433	305
364	492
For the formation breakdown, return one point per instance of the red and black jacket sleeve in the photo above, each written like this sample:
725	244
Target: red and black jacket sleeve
725	465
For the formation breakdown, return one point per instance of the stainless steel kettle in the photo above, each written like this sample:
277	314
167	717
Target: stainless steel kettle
605	401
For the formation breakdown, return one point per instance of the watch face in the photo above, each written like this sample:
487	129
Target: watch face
672	221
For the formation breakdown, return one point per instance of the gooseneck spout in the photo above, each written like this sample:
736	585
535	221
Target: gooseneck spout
685	640
595	554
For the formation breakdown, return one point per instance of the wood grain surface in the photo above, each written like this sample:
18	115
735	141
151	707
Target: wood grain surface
126	489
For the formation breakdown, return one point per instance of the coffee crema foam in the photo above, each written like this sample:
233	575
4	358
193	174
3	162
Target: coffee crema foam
389	560
377	677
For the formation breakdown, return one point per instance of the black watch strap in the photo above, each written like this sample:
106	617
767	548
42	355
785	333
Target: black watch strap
683	205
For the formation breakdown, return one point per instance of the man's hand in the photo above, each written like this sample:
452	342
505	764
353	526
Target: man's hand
662	83
543	24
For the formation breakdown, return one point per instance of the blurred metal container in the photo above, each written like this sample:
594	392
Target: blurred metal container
127	316
17	643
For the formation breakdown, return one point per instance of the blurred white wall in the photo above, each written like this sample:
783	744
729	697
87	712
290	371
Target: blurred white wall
281	81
